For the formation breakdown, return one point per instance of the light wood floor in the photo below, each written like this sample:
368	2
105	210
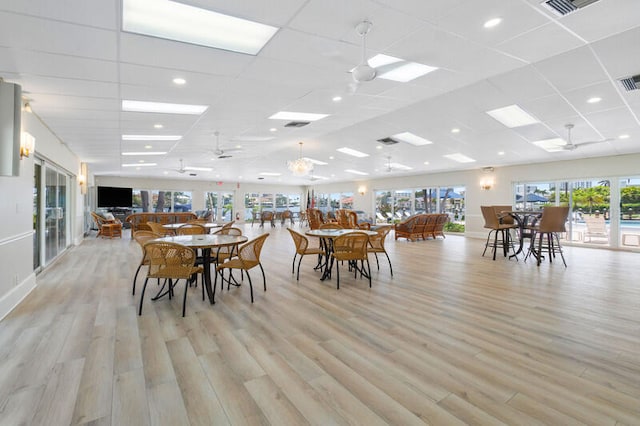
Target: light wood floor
452	338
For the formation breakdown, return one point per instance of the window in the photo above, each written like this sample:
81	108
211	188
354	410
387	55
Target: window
182	201
630	212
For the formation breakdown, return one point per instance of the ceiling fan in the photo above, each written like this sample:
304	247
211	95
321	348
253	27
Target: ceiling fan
223	153
570	146
183	169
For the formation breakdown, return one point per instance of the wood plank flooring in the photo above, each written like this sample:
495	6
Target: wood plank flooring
452	338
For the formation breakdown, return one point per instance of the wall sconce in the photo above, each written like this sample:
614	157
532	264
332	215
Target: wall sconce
27	145
362	190
82	178
487	182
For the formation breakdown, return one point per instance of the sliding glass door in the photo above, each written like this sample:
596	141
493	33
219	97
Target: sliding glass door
56	219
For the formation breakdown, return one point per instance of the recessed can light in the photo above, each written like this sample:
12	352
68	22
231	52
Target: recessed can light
179	81
625	136
594	100
455	130
336	98
273	129
426	163
500	152
492	22
148	146
158	126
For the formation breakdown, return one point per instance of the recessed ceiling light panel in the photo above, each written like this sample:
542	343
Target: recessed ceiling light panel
404	71
513	116
145	153
352	152
198	169
356	172
180	22
140	165
318	162
162	108
297	116
551	145
460	158
270	174
398	166
412	139
151	137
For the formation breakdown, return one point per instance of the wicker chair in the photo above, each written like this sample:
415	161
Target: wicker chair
191	229
315	218
287	214
225	253
330	225
302	249
551	223
141	238
492	222
228	224
172	262
248	258
159	229
376	244
441	221
107	227
267	216
351	247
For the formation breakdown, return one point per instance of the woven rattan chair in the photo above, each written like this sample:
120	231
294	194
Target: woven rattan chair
552	222
225	253
376	244
492	222
107	227
141	238
287	214
351	247
228	224
267	216
159	229
170	261
191	229
315	218
330	225
302	249
248	258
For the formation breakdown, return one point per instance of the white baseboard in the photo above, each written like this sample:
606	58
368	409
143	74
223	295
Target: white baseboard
15	296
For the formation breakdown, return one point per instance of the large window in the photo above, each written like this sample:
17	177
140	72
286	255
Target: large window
630	212
396	205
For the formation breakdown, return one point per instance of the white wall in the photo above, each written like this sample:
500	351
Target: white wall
17	278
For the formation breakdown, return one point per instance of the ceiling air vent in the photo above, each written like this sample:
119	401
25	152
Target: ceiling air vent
564	7
630	83
297	124
388	141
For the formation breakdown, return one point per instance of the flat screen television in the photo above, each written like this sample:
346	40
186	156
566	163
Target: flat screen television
109	196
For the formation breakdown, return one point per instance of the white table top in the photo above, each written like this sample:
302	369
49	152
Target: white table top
204	241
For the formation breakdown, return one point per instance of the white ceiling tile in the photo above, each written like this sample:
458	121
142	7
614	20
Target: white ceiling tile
603	18
574	69
540	43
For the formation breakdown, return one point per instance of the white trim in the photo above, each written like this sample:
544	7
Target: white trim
10	300
14	238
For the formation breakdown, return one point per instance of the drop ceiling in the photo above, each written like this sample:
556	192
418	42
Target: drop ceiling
76	66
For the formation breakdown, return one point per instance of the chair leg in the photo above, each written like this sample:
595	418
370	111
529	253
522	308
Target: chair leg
264	278
250	286
298	275
540	248
215	284
389	260
134	279
144	287
560	250
368	271
184	300
337	276
293	263
377	263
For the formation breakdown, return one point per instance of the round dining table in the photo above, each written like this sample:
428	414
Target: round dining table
206	243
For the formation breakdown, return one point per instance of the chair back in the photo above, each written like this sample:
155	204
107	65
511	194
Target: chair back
595	224
314	216
142	237
377	241
228	224
249	252
330	225
157	228
299	240
169	260
504	218
191	229
553	219
490	219
229	231
97	219
351	246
